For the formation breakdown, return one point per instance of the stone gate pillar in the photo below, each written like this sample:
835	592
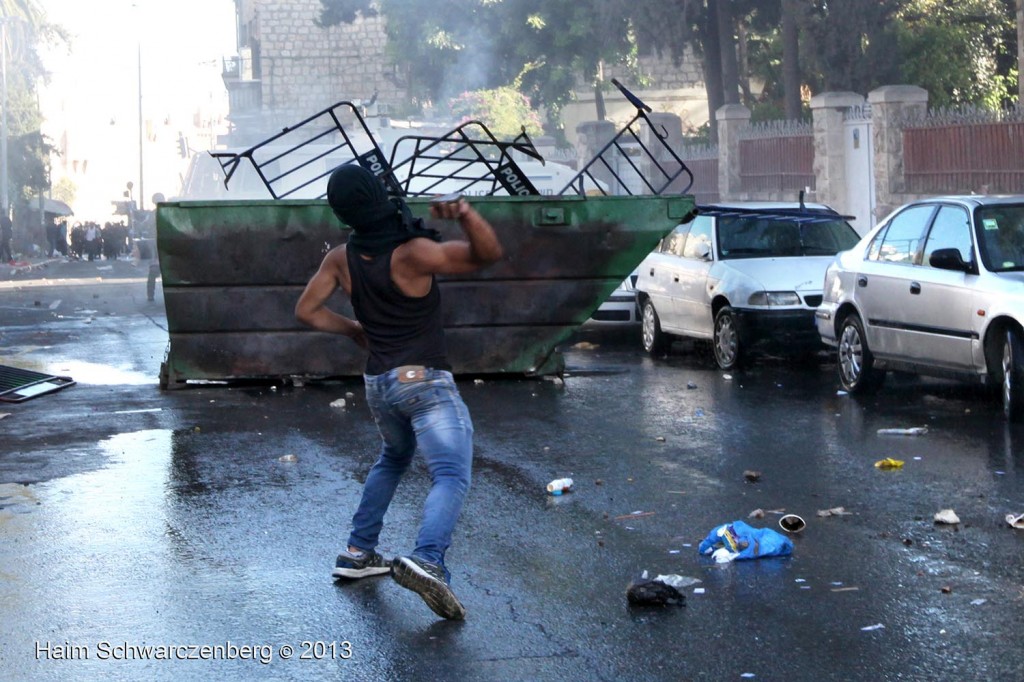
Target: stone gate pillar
889	104
666	129
731	119
828	111
591	137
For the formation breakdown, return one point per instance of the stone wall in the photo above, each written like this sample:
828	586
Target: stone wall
306	69
662	73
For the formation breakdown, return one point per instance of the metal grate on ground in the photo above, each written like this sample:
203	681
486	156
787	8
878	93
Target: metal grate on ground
17	385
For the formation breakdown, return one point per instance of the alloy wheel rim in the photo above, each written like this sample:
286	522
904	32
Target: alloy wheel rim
850	354
1007	376
725	346
648	327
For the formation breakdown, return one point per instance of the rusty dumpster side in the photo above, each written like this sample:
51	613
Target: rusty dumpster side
233	270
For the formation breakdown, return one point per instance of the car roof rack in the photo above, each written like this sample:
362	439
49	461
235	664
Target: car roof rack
798	215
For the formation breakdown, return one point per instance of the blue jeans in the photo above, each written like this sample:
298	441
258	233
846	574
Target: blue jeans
428	414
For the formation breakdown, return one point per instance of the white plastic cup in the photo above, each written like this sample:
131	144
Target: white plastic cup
791	523
559	486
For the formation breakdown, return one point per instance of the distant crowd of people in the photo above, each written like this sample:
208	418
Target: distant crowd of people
89	240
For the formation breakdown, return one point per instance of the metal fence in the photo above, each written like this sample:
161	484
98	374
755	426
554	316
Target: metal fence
777	156
963	151
703	161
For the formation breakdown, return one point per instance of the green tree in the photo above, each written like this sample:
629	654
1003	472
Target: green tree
65	190
961	53
24	28
505	111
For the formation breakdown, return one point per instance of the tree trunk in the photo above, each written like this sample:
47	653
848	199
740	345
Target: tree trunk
791	59
712	66
743	61
1020	51
727	49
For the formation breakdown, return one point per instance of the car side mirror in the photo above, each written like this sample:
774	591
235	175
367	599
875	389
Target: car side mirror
950	259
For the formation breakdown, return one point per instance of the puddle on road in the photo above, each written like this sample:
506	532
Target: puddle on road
16	498
97	374
122	502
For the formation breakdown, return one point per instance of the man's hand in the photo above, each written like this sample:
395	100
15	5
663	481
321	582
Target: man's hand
449	210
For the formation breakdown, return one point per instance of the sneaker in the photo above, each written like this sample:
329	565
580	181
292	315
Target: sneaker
360	565
430	581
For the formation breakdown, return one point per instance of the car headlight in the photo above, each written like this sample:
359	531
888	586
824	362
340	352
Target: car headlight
774	298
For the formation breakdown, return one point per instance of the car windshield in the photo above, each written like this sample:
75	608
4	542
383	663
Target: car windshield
772	237
1001	237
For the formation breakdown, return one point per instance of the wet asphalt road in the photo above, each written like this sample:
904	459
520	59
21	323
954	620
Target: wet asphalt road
131	516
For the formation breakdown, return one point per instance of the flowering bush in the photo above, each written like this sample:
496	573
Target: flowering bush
505	111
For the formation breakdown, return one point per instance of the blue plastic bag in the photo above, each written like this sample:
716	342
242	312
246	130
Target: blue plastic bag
743	541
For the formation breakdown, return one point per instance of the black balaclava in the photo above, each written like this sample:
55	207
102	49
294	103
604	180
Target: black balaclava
378	223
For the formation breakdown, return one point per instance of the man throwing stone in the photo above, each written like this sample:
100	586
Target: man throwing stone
388	270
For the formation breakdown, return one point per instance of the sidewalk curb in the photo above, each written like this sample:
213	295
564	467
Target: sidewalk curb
18	269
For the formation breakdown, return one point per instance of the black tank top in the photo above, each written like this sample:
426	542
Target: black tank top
402	330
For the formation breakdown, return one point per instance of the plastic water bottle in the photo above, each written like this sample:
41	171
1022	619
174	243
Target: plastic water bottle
559	486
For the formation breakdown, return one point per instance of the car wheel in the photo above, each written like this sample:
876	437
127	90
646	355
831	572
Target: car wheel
726	342
856	365
1013	376
655	341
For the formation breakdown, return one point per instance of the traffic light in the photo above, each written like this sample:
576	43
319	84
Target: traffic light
182	146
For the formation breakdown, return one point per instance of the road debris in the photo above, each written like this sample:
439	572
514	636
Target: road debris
978	602
738	540
690	385
660	590
791	523
752	476
876	626
585	345
756	514
845	589
889	463
914	431
947	516
559	486
834	511
1015	521
634	515
339	404
288	458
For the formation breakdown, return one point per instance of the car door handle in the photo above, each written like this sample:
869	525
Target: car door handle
915	288
862	281
652	272
675	278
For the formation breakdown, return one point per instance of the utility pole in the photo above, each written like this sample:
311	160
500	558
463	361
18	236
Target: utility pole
142	194
4	180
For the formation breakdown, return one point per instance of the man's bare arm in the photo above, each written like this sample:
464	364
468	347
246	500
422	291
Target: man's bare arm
311	308
481	246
